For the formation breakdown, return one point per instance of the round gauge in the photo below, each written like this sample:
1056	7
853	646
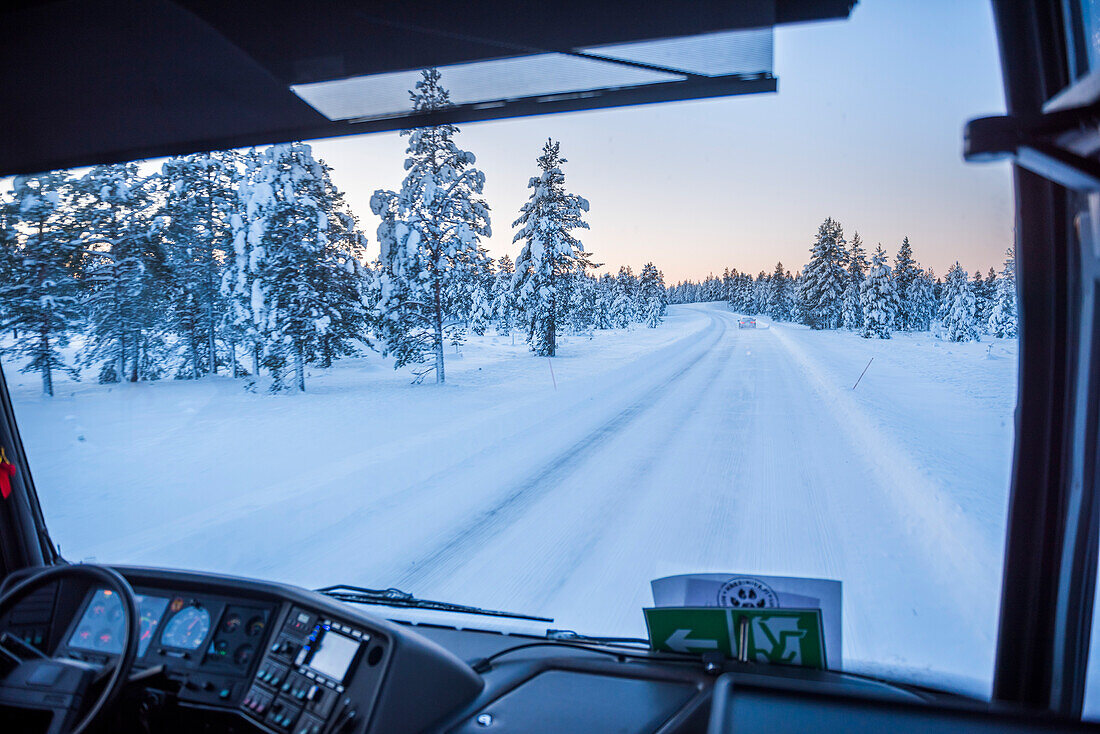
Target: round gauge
255	626
147	624
187	629
243	654
104	639
231	623
84	636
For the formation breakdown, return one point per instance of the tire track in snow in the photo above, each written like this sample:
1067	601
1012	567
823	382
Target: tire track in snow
211	520
952	546
661	479
481	462
613	499
493	520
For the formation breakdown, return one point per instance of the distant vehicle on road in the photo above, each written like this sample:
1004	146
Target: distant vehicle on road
746	322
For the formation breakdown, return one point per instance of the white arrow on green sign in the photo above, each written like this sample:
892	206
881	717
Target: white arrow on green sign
790	636
680	642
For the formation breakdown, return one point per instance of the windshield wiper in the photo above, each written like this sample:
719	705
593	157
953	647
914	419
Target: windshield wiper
397	598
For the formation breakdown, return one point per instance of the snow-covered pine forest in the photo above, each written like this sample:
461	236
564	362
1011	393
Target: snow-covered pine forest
839	289
249	263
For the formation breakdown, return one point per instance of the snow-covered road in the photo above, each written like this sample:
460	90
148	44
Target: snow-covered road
716	449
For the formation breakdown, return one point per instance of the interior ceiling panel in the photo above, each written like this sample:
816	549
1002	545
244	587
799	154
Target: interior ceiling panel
95	81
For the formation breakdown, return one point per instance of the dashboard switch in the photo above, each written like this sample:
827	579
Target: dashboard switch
285	648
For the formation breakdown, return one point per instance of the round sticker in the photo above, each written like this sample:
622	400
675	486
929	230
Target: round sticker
747	592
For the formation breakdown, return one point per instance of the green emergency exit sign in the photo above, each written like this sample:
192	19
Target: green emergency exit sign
790	636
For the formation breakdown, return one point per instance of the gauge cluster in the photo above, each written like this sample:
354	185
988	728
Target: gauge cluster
207	642
282	658
100	627
238	638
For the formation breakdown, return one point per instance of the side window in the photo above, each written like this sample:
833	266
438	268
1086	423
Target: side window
1083	55
1091	710
1083	22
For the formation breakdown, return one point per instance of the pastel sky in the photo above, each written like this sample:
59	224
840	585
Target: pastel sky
866	128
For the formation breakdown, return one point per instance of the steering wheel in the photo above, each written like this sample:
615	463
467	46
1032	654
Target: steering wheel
59	684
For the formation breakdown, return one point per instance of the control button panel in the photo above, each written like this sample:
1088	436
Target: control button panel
258	701
282	715
309	724
304	670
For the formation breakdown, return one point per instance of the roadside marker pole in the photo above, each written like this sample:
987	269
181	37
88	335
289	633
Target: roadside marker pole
551	363
861	374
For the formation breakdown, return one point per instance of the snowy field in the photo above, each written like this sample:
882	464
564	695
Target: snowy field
694	447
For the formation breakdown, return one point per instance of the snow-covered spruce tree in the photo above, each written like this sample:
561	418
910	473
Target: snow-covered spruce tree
302	275
472	271
39	260
504	300
550	253
126	275
857	264
905	272
1003	319
344	284
583	291
981	298
627	297
481	306
428	238
760	293
742	297
621	313
878	299
957	307
240	292
794	299
583	302
200	199
719	288
920	299
778	302
678	293
986	313
852	310
732	291
825	277
653	295
605	297
727	284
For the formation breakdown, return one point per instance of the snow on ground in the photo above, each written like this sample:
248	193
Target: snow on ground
693	447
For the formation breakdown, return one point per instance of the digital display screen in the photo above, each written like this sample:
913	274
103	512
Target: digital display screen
333	654
101	626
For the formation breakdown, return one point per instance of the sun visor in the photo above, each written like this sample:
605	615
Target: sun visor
132	79
742	60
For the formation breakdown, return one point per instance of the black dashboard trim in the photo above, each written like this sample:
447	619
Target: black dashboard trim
394	700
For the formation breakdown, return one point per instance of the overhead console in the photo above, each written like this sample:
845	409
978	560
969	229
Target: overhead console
286	659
